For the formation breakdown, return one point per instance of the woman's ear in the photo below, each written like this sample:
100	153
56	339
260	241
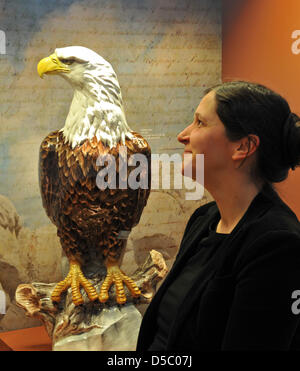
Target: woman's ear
245	147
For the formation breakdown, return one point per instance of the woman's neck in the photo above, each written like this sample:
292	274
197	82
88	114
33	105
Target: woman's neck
233	200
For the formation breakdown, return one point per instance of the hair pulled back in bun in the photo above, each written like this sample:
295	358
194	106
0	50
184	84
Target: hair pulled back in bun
247	108
291	140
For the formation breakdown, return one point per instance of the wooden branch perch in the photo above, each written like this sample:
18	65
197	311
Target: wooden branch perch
64	319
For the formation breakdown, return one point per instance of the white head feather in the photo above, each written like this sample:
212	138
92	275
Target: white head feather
97	106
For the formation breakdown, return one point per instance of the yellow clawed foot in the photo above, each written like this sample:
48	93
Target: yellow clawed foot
116	276
74	279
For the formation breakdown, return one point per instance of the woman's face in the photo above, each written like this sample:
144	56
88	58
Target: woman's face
206	135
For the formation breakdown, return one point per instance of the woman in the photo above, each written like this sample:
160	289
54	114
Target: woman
231	285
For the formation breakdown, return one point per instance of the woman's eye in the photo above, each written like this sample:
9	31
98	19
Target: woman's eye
199	123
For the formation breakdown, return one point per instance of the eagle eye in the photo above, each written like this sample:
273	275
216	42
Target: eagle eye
67	61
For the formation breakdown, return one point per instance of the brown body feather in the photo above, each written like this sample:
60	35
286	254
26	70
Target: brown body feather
88	219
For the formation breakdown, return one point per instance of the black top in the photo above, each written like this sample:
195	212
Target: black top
174	298
241	298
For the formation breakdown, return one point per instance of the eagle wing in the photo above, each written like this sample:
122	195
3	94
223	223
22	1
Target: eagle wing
49	176
75	204
143	194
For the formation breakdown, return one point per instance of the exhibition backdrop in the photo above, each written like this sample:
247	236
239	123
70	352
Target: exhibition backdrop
261	43
165	54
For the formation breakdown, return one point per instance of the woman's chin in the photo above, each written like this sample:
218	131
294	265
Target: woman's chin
188	173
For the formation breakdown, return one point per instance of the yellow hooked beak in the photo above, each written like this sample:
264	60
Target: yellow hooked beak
51	65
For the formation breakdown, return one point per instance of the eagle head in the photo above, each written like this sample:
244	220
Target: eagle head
97	106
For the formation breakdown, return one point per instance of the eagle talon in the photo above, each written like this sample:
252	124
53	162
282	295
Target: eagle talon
74	279
116	276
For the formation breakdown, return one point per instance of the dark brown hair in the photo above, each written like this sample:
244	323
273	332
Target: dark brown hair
248	108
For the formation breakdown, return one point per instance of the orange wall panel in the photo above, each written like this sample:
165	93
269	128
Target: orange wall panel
261	44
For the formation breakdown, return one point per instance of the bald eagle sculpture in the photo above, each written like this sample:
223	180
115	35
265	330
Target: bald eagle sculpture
91	222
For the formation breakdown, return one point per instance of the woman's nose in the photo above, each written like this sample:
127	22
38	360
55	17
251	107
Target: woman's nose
183	136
